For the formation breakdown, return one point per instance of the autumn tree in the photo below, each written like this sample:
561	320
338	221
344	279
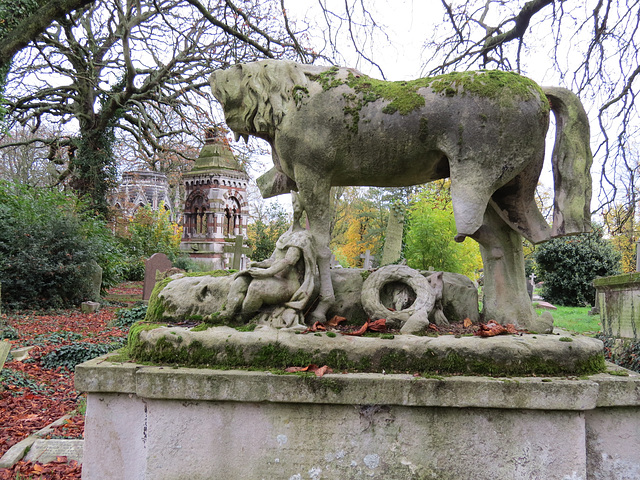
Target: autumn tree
360	222
270	221
135	72
430	234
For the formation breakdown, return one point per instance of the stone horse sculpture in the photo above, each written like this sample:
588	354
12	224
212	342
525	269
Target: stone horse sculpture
331	126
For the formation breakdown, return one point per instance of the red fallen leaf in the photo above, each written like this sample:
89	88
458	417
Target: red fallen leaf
61	459
311	368
322	370
358	332
467	322
433	326
315	327
335	320
37	468
491	329
378	325
511	328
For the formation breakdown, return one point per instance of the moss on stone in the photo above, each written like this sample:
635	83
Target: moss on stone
276	356
617	280
157	307
134	346
403	96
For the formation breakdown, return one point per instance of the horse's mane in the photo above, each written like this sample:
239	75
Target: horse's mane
268	87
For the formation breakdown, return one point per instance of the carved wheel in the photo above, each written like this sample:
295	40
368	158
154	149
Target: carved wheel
395	286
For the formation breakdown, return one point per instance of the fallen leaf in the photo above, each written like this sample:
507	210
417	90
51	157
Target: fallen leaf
311	368
378	325
61	459
358	332
467	322
335	320
322	370
490	329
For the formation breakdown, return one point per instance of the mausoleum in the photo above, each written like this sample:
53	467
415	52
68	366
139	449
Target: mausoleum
215	208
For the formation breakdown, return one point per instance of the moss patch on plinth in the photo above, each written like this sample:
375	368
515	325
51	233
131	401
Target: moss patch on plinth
270	349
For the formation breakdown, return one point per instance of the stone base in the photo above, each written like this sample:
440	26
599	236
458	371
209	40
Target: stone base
269	348
165	423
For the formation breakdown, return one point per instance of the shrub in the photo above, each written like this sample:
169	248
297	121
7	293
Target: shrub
125	317
68	356
46	245
568	266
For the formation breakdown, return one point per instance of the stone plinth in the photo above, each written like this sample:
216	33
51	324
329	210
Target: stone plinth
177	423
619	304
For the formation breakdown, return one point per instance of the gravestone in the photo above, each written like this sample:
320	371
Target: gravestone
237	249
618	299
393	242
5	346
50	450
368	260
158	262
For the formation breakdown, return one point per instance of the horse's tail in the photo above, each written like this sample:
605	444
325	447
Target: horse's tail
571	161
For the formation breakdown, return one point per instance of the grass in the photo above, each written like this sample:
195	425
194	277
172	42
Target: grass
575	319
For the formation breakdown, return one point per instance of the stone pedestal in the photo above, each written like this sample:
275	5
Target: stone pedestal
163	423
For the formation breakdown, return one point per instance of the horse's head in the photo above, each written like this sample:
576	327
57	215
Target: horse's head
256	96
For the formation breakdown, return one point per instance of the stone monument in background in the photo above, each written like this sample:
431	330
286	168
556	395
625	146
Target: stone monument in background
216	205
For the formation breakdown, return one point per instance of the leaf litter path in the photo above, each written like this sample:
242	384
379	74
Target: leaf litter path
35	396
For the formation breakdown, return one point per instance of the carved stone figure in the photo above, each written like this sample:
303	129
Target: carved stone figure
285	280
331	126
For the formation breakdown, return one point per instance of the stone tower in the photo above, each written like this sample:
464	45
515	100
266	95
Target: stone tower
215	207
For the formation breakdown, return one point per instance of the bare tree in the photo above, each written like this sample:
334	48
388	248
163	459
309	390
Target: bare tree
592	47
134	70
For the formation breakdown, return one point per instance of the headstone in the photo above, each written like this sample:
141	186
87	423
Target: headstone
89	307
367	264
4	351
92	273
393	243
21	353
45	451
546	306
237	249
158	262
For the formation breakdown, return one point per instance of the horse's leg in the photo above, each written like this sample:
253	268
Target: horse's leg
505	296
314	193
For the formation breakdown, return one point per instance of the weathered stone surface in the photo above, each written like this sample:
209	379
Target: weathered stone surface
270	348
21	353
5	346
89	307
93	274
188	296
398	427
618	300
17	451
45	451
395	134
203	295
413	302
393	237
459	297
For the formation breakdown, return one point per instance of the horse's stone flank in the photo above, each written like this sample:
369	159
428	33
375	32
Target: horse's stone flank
331	126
